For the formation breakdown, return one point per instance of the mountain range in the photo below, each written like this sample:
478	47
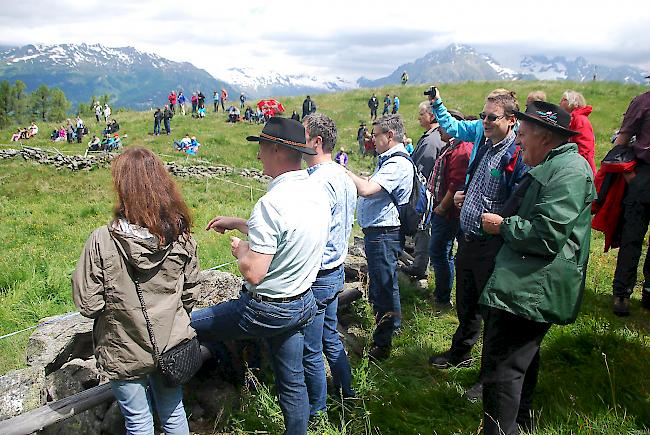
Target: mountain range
132	78
141	80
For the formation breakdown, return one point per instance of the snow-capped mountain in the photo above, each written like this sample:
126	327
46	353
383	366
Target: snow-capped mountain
258	83
579	70
132	78
455	63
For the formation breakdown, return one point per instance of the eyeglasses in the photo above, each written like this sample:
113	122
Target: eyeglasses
490	117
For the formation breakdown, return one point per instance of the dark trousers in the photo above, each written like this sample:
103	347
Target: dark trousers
510	365
373	113
636	216
168	128
443	233
216	106
382	250
474	265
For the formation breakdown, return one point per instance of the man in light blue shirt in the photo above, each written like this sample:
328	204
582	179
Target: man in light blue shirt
321	335
379	218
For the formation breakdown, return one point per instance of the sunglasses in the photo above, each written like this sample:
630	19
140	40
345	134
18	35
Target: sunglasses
490	117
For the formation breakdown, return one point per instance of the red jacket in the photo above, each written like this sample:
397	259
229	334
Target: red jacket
585	138
611	187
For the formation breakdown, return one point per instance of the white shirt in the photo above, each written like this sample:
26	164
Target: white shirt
291	222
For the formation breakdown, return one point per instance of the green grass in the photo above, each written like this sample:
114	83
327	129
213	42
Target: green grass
595	376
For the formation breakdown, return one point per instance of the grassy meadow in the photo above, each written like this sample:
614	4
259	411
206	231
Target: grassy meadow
595	376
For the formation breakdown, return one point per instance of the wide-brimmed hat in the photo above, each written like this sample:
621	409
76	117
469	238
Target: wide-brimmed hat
284	131
548	115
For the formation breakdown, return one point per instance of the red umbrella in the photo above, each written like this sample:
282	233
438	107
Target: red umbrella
270	103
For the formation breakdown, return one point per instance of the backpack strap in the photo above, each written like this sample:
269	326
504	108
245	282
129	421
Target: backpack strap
407	157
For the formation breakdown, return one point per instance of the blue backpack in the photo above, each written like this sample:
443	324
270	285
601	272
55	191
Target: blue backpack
416	213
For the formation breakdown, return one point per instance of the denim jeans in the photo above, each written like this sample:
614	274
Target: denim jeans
382	250
135	399
321	336
168	128
281	324
443	233
156	127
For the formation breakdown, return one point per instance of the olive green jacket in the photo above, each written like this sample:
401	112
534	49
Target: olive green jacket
102	289
540	271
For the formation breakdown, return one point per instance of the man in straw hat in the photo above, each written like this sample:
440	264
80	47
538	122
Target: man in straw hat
539	272
287	232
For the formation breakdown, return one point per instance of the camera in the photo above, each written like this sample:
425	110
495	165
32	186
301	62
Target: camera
431	91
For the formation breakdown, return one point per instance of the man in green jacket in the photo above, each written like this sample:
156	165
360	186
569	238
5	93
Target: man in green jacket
539	273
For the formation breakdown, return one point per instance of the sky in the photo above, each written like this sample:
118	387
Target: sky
336	38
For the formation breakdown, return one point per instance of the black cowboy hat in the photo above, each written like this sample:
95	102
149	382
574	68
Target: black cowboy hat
548	115
284	131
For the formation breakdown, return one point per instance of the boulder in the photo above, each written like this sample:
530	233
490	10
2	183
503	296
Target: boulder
217	287
22	390
216	398
356	268
113	422
60	339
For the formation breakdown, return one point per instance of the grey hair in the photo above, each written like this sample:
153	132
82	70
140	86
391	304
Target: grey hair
319	124
424	105
392	123
574	99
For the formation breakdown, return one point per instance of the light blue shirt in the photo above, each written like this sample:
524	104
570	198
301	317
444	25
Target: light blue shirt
342	195
291	222
394	175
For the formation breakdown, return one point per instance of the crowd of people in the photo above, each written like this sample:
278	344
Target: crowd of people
514	188
25	133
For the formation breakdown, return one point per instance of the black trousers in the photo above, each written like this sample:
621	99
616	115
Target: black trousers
474	265
510	365
636	217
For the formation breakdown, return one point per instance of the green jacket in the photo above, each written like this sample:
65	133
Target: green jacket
540	271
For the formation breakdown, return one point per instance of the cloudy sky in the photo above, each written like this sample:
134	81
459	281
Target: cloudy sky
334	37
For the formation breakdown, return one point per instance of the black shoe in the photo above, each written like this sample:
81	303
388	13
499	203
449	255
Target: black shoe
443	307
379	353
645	298
621	306
475	393
445	361
414	274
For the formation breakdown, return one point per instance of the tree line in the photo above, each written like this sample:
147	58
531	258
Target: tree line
43	104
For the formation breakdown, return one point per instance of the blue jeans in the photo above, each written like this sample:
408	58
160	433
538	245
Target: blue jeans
135	399
443	233
156	127
168	128
382	250
321	336
281	324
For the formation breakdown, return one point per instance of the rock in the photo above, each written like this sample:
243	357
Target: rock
113	422
69	336
74	377
22	390
356	268
357	248
217	398
217	287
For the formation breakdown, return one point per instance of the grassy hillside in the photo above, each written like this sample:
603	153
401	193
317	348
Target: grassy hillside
594	377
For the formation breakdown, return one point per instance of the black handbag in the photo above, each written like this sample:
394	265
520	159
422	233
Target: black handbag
180	363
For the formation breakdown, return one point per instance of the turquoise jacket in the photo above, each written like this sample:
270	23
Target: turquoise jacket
539	272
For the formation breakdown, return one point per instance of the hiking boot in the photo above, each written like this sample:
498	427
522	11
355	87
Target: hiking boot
621	306
445	361
379	353
475	393
412	273
645	298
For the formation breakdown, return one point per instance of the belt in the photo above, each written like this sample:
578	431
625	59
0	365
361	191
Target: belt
380	230
324	272
262	298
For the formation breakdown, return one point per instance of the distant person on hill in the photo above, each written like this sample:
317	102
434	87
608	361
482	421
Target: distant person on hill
574	103
172	101
200	113
94	143
361	138
33	129
167	116
408	144
535	96
395	104
16	136
373	105
146	253
224	98
215	101
242	100
295	116
157	119
200	99
248	114
80	128
308	107
107	112
341	158
636	207
181	102
387	103
98	111
195	103
405	78
183	144
70	132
